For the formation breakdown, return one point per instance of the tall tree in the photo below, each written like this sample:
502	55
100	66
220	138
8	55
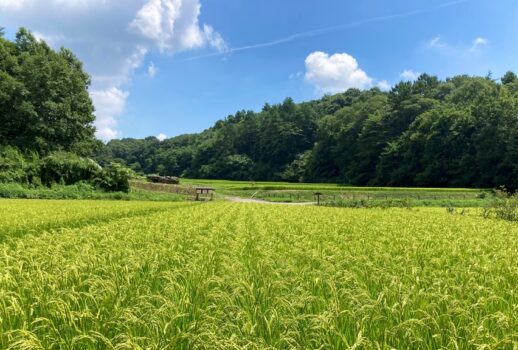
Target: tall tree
44	100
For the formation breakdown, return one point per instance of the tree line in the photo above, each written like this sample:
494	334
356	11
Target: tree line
457	132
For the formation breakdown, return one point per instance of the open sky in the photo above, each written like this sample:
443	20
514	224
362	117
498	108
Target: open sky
168	67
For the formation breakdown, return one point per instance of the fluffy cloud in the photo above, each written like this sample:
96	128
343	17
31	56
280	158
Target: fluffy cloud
214	38
113	38
172	25
109	105
409	75
335	73
161	137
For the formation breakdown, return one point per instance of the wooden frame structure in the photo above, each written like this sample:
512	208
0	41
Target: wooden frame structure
204	190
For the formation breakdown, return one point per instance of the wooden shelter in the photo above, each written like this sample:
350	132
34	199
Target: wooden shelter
204	190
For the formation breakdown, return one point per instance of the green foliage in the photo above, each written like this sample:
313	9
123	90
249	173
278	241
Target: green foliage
12	165
114	178
58	168
67	168
82	191
44	100
460	132
504	206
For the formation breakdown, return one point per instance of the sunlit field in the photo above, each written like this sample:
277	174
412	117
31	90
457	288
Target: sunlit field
131	275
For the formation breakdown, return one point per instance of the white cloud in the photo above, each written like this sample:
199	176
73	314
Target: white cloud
458	49
335	73
161	137
11	4
409	75
17	5
437	42
172	25
152	70
480	41
113	37
384	85
109	105
49	39
214	38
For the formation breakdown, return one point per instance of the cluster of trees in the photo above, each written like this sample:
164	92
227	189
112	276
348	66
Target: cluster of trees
462	131
46	118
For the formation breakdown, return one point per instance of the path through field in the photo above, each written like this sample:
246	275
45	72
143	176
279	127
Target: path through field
254	200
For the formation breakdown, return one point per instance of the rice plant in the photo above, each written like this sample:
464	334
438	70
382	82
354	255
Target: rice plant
249	276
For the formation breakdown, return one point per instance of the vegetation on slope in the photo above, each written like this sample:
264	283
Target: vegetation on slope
459	132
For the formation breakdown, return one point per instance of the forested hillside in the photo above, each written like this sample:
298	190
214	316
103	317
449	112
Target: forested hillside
461	132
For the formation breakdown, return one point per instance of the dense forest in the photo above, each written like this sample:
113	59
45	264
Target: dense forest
460	132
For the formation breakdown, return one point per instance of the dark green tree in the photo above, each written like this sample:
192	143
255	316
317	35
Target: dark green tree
44	100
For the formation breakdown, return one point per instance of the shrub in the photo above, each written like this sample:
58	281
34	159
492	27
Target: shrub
12	165
505	206
114	178
67	168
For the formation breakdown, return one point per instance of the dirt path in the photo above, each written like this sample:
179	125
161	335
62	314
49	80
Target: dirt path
253	200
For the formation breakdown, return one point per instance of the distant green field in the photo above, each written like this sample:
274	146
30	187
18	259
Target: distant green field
338	195
260	185
154	275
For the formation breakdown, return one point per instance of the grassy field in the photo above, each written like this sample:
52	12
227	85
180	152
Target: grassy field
85	191
140	275
264	185
347	196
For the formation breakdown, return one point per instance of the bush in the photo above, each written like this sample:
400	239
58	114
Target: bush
504	207
67	168
15	168
114	178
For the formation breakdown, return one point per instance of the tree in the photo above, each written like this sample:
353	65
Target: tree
509	78
460	132
44	100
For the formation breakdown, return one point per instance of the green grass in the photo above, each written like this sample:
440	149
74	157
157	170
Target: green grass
248	276
83	191
264	185
347	196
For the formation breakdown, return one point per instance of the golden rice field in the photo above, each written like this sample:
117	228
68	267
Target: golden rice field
134	275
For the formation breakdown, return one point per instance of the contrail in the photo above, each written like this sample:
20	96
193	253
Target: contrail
321	31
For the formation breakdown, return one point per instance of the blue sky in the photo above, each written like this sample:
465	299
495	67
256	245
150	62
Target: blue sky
168	67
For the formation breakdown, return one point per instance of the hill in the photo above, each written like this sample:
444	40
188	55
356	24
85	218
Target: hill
458	132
